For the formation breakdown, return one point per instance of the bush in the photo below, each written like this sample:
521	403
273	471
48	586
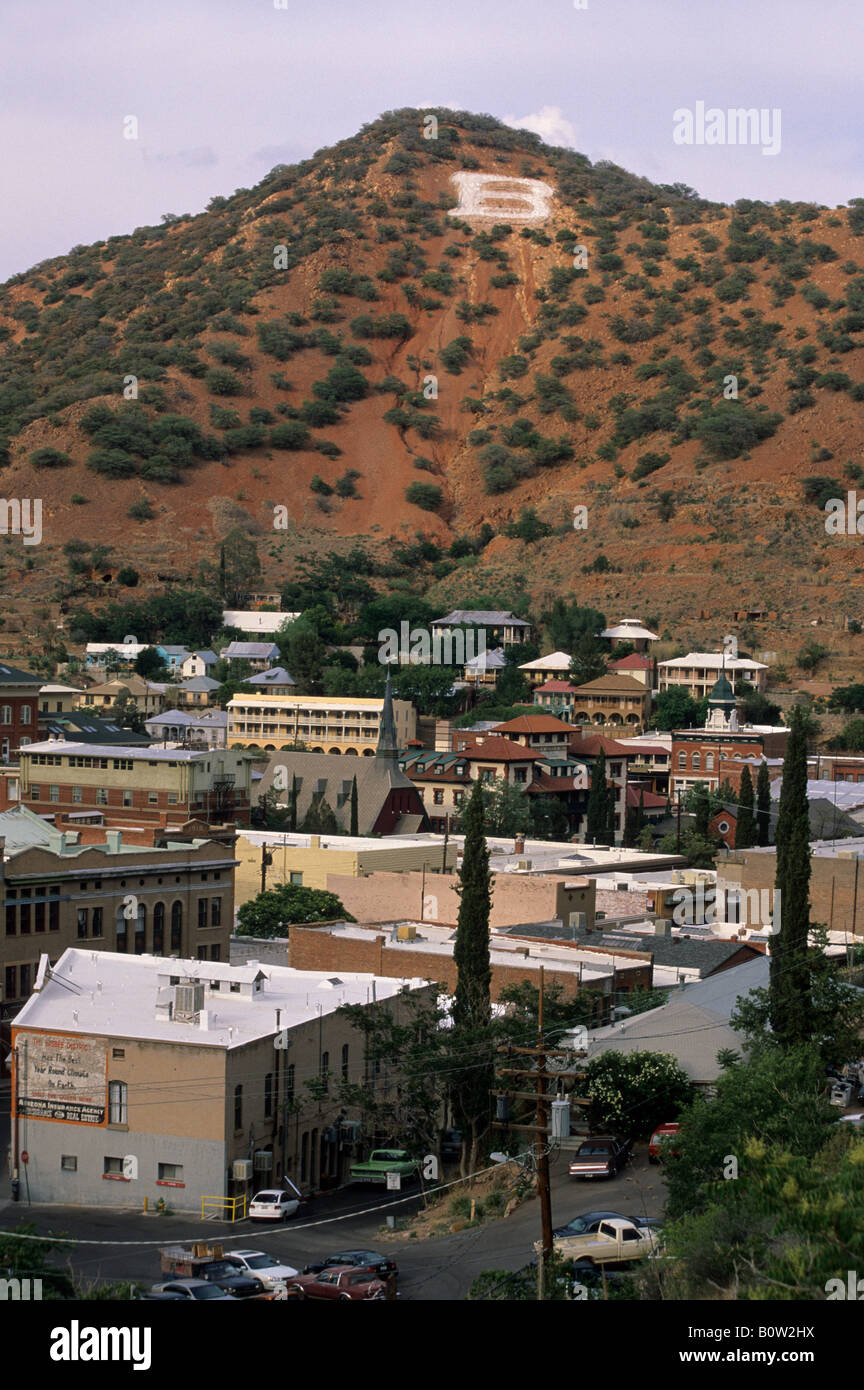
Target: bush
649	463
293	434
113	463
318	485
127	577
732	431
428	496
141	510
455	355
222	382
49	458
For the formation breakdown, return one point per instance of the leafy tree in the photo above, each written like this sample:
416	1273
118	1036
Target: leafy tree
49	458
320	819
790	976
239	565
589	659
601	801
506	809
634	1091
701	806
472	1008
427	496
566	622
676	709
303	653
149	664
268	913
849	698
28	1259
633	823
851	737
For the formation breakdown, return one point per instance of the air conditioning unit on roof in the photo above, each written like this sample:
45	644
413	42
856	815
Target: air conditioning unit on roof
242	1169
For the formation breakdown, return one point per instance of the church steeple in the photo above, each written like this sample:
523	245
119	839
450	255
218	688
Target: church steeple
722	706
388	746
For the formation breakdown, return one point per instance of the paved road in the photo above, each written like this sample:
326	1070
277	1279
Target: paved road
436	1269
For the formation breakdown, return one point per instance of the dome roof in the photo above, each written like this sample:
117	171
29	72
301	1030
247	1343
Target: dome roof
721	691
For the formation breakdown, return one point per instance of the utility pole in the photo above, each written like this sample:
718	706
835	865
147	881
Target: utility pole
678	836
541	1150
446	838
266	861
423	890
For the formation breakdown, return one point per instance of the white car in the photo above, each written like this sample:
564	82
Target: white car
272	1274
275	1203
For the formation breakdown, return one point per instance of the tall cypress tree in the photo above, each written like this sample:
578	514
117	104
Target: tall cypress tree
292	810
611	828
745	831
597	818
472	1075
354	822
790	1008
701	809
763	806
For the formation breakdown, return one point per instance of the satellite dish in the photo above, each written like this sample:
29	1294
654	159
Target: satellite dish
41	974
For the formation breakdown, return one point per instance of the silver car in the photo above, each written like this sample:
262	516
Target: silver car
198	1289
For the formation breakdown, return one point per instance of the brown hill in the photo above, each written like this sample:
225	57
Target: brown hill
282	341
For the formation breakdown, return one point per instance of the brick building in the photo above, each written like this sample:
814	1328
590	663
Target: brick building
19	709
136	785
836	881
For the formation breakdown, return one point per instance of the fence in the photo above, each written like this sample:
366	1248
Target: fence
229	1208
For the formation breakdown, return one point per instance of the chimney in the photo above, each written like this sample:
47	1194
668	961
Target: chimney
314	841
519	845
113	840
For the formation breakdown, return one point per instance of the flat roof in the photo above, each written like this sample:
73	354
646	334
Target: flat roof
120	750
292	840
117	995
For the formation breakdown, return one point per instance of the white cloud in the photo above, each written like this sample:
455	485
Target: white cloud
549	123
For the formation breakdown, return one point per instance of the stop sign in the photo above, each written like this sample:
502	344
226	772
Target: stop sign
25	1157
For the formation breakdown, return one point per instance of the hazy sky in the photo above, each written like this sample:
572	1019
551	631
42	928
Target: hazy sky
224	89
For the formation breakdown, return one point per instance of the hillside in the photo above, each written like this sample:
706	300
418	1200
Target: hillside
288	344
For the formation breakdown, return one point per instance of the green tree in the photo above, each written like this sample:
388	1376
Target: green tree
354	821
149	664
597	814
763	805
472	1007
701	806
745	829
790	1011
634	1091
28	1259
589	659
320	819
634	820
506	809
239	566
303	653
675	709
268	913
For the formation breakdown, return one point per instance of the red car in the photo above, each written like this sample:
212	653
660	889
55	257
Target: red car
346	1284
658	1144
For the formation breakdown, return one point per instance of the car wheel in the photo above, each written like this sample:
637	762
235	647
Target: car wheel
299	1290
345	1298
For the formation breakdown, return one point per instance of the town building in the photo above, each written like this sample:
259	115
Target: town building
99	655
198	691
276	681
613	700
82	727
500	629
485	668
556	697
256	622
136	785
553	667
147	697
836	886
348	724
698	672
707	755
541	733
198	663
57	699
143	1078
19	709
272	857
209	727
631	630
174	657
61	889
641	668
258	655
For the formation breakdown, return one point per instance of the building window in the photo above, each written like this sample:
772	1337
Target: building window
268	1093
215	912
25	714
238	1107
11	924
127	798
176	927
113	1166
696	762
69	1163
118	1052
25	981
296	879
158	929
96	922
152	798
82	921
215	953
345	1062
101	796
35	790
77	794
487	774
325	1071
202	912
170	1172
289	1082
709	762
53	793
682	762
24	918
438	796
117	1102
5	714
304	1156
11	990
54	912
39	916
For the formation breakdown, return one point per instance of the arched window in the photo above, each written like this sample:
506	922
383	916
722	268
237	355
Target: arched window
141	930
158	928
696	762
122	928
709	762
682	762
176	926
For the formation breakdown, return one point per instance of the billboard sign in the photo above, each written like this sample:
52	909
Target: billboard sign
62	1078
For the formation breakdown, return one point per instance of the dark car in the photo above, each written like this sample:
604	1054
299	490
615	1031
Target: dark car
589	1222
601	1156
368	1260
451	1146
225	1272
345	1285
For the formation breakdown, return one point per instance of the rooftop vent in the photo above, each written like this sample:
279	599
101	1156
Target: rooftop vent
188	1001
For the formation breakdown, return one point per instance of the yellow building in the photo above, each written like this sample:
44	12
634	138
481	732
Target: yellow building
324	723
306	860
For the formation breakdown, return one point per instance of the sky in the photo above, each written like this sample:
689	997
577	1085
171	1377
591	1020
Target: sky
224	89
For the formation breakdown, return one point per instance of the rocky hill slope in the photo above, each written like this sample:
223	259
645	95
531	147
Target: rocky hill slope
366	346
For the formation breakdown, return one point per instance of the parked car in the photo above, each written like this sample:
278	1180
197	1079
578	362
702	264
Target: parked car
202	1290
271	1272
275	1203
368	1260
601	1156
614	1242
589	1222
232	1279
658	1144
374	1170
451	1146
346	1285
855	1120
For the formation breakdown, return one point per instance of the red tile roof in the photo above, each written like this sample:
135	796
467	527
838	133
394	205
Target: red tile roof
534	724
554	686
648	799
634	662
493	749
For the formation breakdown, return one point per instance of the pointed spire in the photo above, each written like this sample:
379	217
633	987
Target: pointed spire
387	744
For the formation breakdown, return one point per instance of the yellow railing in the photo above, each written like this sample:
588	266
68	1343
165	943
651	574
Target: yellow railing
230	1208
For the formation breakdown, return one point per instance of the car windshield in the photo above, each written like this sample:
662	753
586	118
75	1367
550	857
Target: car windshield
359	1279
261	1262
578	1226
208	1291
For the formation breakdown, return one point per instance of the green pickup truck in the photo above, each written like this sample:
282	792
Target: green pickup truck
381	1162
